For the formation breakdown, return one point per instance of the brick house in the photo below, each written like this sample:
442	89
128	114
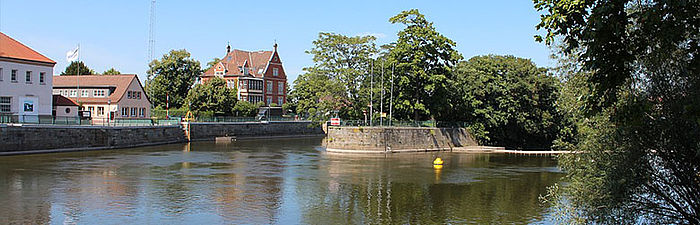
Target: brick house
258	76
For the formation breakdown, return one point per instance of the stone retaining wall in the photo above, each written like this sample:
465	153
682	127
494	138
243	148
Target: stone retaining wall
209	131
396	139
47	137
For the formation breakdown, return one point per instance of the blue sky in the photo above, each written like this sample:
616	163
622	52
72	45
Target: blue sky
115	33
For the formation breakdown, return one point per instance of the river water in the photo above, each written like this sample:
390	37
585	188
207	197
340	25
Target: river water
289	181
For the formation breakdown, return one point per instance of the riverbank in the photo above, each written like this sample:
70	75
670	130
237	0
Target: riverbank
16	139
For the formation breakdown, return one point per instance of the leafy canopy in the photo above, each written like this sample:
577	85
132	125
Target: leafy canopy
172	76
111	71
213	96
74	67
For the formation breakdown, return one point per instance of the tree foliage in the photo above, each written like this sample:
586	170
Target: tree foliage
507	101
111	71
171	76
246	109
212	63
640	157
424	59
213	96
72	69
317	96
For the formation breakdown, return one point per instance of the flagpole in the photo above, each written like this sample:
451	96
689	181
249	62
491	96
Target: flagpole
78	77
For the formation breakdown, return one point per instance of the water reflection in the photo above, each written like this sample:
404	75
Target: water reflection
270	181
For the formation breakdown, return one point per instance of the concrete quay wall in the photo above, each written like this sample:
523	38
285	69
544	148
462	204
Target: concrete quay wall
396	139
203	131
22	139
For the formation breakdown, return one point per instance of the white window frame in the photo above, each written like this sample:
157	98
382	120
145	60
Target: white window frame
7	104
269	87
13	76
134	111
275	72
280	100
84	93
125	111
73	93
269	100
280	87
100	110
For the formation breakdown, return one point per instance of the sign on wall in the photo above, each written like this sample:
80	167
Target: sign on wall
335	121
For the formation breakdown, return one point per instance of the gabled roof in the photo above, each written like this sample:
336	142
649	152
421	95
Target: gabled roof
120	83
256	60
59	100
11	48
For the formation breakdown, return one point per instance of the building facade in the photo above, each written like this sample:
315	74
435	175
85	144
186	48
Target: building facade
257	76
107	97
25	82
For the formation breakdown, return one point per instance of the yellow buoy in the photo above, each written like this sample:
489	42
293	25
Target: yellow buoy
438	161
437	167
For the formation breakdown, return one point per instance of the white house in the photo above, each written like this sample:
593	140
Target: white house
25	82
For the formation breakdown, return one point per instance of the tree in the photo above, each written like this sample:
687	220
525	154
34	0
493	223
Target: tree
246	109
72	69
346	61
212	63
507	101
111	71
317	96
213	96
638	138
171	76
423	59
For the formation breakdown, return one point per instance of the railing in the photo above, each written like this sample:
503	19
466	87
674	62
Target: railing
378	123
63	120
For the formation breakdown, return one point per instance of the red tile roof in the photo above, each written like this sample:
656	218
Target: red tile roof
59	100
11	48
119	82
257	60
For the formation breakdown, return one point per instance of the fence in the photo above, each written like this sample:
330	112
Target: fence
396	123
62	120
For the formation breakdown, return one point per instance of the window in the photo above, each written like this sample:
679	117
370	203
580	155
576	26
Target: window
91	109
100	111
128	94
5	104
125	112
280	101
275	72
84	93
98	93
138	95
231	83
29	77
142	112
41	77
133	112
280	88
269	87
1	74
269	100
73	93
13	76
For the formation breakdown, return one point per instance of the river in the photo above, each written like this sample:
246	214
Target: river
289	181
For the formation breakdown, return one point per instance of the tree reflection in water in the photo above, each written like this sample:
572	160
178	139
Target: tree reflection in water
270	181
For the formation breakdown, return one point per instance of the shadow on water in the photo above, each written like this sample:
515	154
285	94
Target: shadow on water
270	181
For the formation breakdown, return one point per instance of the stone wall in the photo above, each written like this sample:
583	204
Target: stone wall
396	139
47	137
209	131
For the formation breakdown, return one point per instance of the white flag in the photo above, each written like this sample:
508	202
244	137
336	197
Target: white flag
72	55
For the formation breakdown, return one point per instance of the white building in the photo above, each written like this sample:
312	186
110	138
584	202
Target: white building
25	83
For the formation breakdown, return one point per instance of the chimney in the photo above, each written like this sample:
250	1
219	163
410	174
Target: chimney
228	48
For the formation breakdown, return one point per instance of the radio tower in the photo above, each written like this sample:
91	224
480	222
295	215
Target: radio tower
151	38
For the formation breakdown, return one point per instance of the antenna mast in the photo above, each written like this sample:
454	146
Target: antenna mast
151	36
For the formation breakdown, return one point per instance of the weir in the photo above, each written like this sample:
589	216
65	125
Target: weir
396	139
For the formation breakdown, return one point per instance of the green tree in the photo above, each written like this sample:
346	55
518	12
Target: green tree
172	76
507	101
424	59
346	61
213	97
111	71
72	69
317	96
246	109
212	63
638	137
